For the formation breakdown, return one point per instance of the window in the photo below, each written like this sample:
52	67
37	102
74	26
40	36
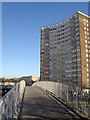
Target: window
85	41
86	50
86	46
87	79
87	60
84	28
85	36
86	55
85	32
87	69
84	23
87	21
84	20
87	29
87	25
87	74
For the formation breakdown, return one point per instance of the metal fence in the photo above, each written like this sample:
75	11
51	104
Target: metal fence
75	97
9	102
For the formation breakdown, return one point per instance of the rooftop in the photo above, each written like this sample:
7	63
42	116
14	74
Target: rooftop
63	21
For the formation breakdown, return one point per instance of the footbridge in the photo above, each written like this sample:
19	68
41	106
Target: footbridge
45	100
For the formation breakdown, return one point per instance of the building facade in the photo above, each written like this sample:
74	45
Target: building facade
65	51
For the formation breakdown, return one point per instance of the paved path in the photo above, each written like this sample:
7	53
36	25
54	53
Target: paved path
0	95
37	104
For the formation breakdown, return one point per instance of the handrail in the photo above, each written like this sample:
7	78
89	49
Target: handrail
10	101
8	93
75	97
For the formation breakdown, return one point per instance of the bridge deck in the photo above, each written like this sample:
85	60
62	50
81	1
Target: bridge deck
37	104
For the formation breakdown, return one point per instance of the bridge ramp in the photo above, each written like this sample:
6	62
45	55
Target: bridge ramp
37	104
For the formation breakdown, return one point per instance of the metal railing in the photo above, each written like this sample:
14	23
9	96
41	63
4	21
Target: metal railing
75	97
9	103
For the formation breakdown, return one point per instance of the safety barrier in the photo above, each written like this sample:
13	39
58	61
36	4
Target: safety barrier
9	103
75	97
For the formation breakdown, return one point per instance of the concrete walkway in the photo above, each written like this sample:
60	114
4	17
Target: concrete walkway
37	104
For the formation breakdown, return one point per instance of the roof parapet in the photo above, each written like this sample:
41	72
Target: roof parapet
83	14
